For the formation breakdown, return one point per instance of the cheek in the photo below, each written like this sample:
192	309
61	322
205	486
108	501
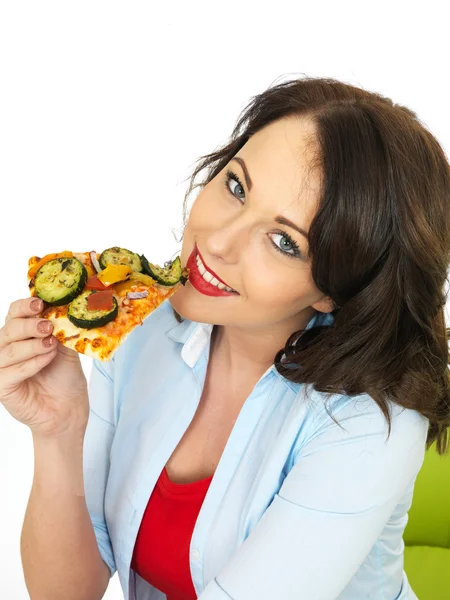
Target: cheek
276	289
210	209
192	225
203	213
204	205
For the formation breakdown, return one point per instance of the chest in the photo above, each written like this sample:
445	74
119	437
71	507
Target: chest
198	452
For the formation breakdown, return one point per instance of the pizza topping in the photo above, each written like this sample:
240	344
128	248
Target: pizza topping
114	273
93	255
35	268
94	283
59	280
142	278
137	295
100	300
135	278
123	286
90	301
169	275
120	256
93	309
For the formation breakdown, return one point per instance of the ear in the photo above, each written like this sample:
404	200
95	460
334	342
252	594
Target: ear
325	305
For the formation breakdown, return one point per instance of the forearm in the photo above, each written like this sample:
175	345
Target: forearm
60	556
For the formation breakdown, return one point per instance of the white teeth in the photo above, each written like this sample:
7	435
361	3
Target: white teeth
215	281
210	278
207	276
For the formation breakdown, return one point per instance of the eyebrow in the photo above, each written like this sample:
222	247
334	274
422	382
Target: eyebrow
279	219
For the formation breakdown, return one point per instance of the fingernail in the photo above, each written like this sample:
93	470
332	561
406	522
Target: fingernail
36	304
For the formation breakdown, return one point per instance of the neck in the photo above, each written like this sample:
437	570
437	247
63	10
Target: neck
244	353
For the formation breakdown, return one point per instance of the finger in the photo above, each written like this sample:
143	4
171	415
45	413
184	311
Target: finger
23	350
24	307
24	328
13	376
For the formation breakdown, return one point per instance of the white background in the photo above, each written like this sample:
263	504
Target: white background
106	106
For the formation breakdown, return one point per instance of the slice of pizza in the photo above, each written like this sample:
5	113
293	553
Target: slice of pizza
95	300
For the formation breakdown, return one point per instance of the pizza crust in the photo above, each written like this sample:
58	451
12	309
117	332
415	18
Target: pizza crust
102	342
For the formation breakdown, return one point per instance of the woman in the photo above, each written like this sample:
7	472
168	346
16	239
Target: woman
260	442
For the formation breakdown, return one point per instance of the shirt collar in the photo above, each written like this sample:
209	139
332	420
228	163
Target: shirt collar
195	336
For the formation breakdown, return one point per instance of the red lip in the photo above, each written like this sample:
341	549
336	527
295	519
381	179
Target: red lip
200	284
209	269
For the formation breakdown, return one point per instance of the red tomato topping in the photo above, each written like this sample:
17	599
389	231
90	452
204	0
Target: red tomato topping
100	300
94	283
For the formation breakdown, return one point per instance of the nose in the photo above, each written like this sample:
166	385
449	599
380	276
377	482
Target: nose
225	244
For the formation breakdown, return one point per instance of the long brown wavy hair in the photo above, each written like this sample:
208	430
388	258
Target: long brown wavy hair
379	246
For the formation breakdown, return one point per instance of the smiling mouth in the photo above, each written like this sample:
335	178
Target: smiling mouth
209	276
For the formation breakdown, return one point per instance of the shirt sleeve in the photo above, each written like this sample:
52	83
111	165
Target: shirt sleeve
331	508
96	450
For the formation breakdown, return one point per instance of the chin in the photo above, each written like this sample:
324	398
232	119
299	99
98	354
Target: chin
175	303
187	307
183	306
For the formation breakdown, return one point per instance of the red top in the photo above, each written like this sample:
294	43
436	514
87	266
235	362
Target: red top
161	551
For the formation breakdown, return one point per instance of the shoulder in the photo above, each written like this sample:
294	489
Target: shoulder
358	415
353	465
359	426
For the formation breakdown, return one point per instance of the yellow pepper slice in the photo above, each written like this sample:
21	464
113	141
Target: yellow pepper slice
114	273
135	279
142	277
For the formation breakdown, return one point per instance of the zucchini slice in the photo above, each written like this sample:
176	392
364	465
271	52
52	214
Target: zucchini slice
164	276
120	256
79	314
60	280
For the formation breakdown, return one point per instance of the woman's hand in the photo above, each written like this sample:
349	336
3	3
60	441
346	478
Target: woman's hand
41	385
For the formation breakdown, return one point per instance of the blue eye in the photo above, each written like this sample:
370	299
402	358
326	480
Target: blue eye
230	176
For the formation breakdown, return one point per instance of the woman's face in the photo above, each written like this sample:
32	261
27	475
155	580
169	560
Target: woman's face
234	227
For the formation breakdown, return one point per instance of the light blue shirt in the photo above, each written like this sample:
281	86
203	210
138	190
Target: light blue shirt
298	508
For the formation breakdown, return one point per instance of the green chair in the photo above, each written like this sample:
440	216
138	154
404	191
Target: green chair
427	534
